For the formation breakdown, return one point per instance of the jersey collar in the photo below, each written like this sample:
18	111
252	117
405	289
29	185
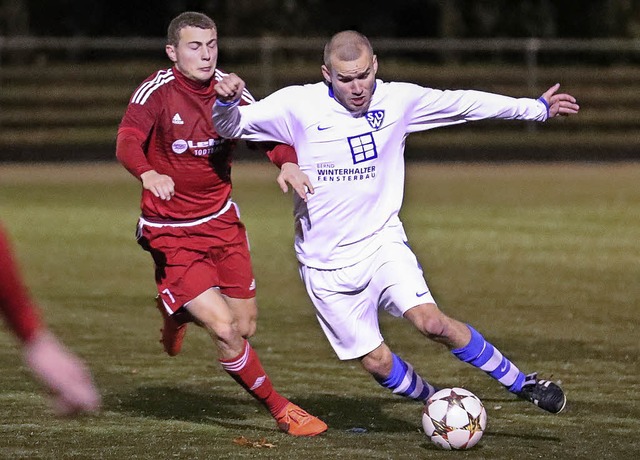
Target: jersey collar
192	85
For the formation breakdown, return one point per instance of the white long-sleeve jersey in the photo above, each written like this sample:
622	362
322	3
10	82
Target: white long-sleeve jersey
356	164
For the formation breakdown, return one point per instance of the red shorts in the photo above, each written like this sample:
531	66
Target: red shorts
191	258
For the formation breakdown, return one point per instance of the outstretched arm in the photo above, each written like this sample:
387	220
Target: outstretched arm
229	88
62	373
226	116
266	120
560	104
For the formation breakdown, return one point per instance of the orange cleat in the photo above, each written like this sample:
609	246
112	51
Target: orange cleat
298	422
172	332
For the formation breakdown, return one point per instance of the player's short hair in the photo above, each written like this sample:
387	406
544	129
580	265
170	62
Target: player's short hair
346	46
187	19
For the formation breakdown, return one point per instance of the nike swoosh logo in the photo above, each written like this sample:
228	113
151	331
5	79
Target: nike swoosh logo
322	128
420	294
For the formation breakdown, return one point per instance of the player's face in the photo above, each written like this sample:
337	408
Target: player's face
196	55
353	82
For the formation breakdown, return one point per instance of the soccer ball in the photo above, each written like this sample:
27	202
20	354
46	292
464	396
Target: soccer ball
454	418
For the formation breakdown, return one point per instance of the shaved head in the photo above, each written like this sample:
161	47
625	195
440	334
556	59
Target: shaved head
350	69
347	45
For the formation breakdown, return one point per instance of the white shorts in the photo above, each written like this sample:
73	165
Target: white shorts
347	299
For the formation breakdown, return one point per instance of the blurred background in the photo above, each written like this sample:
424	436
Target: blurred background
68	67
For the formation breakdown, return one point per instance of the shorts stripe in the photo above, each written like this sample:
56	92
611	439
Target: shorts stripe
191	223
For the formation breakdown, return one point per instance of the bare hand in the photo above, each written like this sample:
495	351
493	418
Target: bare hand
560	104
160	185
290	173
230	88
63	374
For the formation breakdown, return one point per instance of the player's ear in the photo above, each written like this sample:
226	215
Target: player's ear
375	64
171	52
326	73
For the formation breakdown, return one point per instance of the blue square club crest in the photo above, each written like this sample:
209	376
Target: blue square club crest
363	148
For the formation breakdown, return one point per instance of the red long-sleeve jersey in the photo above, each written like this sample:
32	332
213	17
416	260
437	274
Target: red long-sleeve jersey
167	127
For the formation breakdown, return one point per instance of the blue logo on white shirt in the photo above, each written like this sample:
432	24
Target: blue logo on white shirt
375	118
363	148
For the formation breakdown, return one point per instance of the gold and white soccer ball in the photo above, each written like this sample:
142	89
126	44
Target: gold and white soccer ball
454	418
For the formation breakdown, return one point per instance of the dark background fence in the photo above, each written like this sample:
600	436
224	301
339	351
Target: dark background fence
62	98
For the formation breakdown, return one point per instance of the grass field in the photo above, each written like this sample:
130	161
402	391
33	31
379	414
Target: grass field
543	259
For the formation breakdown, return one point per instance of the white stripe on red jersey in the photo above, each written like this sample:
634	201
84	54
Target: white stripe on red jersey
246	95
146	89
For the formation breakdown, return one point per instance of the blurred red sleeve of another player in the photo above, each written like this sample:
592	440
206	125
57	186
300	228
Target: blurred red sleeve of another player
64	375
16	305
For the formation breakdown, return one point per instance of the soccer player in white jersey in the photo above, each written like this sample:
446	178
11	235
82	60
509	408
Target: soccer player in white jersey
349	133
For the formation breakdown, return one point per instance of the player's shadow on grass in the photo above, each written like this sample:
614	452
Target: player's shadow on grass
207	407
197	406
368	412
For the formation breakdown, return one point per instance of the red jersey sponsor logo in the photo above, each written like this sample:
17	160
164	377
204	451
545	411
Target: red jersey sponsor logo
198	148
179	146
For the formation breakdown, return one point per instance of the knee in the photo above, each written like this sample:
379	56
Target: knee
431	322
245	313
223	331
248	327
246	322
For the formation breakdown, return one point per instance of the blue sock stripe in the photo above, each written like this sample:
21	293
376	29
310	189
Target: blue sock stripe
398	371
494	361
404	381
427	391
517	385
481	354
473	349
501	370
484	357
412	386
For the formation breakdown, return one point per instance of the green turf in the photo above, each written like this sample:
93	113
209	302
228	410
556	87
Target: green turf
543	259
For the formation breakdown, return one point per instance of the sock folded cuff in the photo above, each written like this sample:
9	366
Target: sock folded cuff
236	364
398	371
473	349
516	386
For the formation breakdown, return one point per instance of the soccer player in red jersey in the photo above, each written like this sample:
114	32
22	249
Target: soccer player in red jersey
62	373
189	223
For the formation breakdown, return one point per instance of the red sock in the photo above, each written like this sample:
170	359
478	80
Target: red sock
248	372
